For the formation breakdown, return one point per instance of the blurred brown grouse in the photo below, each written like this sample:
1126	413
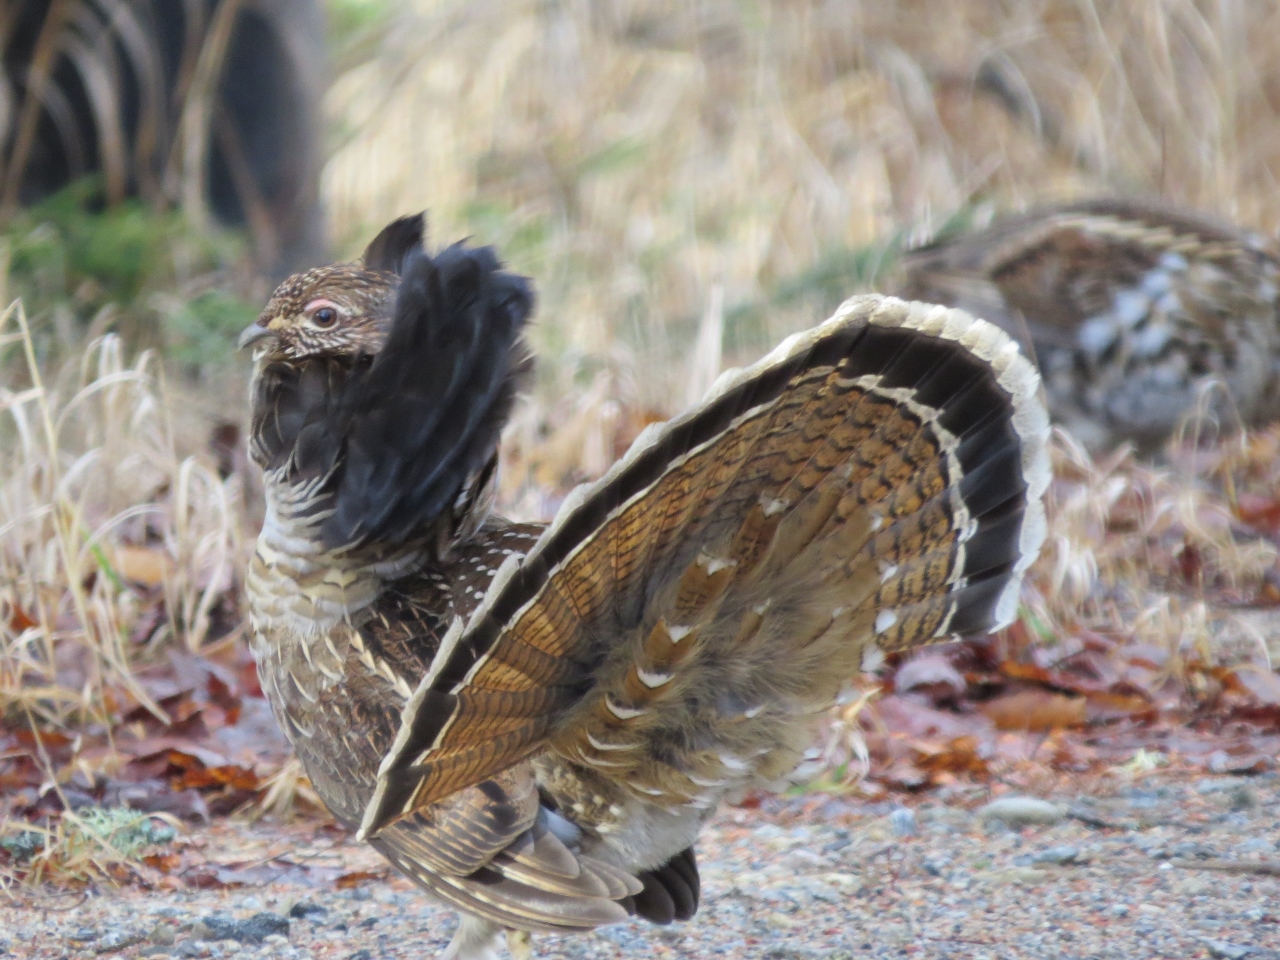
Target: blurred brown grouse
534	722
1134	308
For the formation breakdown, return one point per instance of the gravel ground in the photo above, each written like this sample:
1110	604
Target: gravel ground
1156	869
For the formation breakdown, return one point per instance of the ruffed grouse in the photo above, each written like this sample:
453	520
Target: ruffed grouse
534	722
1134	307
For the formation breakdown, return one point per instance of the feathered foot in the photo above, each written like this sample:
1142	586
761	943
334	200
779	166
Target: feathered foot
475	939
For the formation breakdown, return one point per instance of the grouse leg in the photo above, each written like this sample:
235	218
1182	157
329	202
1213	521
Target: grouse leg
475	939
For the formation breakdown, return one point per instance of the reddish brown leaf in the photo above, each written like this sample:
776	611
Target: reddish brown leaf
921	722
1025	671
20	620
357	877
1111	706
228	775
1258	511
1034	709
205	878
958	755
163	862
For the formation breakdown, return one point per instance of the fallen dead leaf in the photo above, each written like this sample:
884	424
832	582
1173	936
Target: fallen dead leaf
148	566
349	880
163	862
1035	710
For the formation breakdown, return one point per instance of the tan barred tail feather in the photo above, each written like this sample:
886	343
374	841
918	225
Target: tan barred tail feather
876	480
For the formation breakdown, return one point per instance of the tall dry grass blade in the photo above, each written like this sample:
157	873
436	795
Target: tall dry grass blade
100	518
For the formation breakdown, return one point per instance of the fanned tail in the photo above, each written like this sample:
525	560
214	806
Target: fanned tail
875	480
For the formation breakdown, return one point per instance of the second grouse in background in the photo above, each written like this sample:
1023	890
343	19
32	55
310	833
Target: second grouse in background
1134	309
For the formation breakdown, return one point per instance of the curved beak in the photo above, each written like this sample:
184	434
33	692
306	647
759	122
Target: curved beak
252	334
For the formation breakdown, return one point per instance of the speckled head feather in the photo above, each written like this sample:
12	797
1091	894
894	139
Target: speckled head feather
342	310
380	393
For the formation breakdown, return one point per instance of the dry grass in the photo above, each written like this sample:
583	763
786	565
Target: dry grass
635	156
90	846
102	522
1153	554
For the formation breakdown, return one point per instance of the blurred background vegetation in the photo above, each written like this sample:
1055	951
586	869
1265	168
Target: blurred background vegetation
686	182
647	162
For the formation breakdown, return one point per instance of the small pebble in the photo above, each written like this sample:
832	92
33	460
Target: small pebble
1022	811
1227	951
305	908
1060	856
1256	845
256	929
118	940
903	822
1026	875
1242	798
802	859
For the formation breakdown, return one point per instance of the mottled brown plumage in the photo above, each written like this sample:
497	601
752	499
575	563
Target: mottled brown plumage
1134	308
533	723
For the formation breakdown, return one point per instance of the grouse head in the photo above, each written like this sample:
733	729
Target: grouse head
339	311
381	388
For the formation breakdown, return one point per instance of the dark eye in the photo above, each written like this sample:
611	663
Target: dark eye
325	317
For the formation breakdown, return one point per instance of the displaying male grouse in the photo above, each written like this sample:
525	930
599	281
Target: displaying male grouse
1134	307
534	722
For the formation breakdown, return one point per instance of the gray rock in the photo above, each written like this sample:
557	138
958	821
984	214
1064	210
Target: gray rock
1231	951
1242	798
83	935
1256	845
1022	811
305	908
118	940
1190	850
936	866
903	822
1216	785
254	930
1060	856
801	860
